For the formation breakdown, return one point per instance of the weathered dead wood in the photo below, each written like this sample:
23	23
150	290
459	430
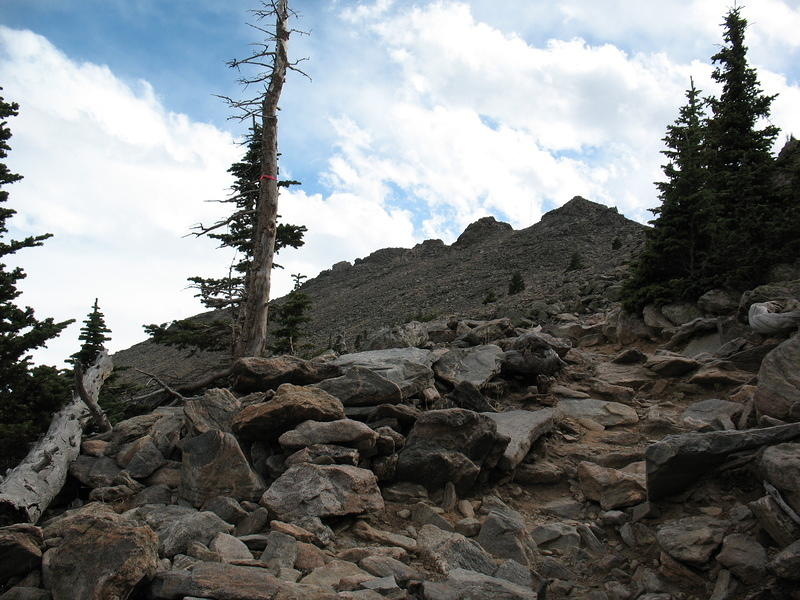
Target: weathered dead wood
30	487
767	318
104	366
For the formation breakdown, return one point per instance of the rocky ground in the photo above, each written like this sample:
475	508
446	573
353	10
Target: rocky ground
602	457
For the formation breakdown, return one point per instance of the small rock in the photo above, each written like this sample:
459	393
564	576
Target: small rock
691	539
744	557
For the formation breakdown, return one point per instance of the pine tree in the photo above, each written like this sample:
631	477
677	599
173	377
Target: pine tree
291	318
671	265
741	173
516	284
28	395
93	335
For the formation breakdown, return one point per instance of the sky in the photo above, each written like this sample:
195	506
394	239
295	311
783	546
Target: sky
415	119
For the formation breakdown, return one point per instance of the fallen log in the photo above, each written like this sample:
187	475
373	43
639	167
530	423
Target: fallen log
767	318
30	487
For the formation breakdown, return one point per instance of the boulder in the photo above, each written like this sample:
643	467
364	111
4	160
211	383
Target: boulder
229	548
775	521
503	534
146	461
72	569
718	302
612	488
20	550
408	335
655	318
467	395
409	368
344	432
214	410
229	582
523	428
606	413
680	313
744	557
255	374
477	365
447	550
786	563
468	584
290	406
361	387
94	472
780	465
175	536
450	445
712	414
213	465
323	491
671	365
692	539
488	331
324	454
280	550
533	354
778	393
556	536
677	460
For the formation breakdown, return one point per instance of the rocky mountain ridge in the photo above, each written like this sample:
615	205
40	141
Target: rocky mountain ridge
607	458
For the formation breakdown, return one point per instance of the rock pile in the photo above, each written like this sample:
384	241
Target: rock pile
501	461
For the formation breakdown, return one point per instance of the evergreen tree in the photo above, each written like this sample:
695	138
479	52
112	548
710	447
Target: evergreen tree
237	233
291	318
516	284
670	266
93	335
740	174
28	395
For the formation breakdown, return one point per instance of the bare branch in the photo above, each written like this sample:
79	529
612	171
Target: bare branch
167	389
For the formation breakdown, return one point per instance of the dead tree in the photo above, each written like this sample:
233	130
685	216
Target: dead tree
32	485
270	63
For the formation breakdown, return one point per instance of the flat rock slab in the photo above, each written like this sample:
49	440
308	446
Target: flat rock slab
408	368
290	406
692	539
467	584
678	460
475	365
523	427
230	582
671	365
612	488
712	414
360	386
344	432
780	465
307	490
630	375
604	412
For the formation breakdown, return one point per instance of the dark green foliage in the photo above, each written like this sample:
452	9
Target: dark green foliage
787	191
290	318
93	335
741	167
115	398
726	218
516	285
575	262
670	268
28	395
193	334
228	291
489	297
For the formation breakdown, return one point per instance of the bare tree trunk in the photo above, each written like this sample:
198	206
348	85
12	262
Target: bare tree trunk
28	490
89	389
253	335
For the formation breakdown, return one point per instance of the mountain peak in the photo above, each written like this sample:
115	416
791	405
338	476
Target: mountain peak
480	230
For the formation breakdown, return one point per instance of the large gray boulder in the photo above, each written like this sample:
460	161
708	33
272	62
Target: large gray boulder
523	428
612	488
450	445
175	536
408	368
692	539
778	393
290	406
344	432
256	374
360	386
477	365
72	570
308	490
712	414
677	460
533	354
447	550
214	410
213	465
408	335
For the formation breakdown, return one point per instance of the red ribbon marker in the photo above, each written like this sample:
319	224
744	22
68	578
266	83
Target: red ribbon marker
268	177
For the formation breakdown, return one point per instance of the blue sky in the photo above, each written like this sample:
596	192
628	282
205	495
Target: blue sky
420	118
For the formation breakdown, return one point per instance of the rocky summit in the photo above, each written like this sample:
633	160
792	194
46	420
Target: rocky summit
575	452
